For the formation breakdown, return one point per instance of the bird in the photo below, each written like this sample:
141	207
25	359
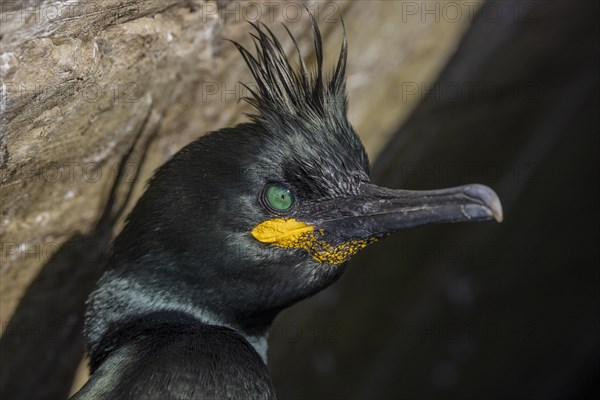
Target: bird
239	225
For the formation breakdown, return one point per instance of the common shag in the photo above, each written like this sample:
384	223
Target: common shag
239	225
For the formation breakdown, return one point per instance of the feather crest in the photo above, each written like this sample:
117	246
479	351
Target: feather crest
282	88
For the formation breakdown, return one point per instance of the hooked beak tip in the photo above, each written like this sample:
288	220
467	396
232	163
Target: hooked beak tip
497	210
489	198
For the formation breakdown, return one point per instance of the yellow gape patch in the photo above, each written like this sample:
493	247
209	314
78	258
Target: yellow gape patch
290	233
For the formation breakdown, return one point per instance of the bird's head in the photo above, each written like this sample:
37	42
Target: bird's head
246	221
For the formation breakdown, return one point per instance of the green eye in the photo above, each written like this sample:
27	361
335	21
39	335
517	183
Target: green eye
279	197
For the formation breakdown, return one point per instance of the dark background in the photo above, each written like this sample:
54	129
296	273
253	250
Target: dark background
484	310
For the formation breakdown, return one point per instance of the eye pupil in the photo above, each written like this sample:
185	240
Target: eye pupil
279	197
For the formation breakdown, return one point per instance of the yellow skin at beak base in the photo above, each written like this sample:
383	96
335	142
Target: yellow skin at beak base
290	233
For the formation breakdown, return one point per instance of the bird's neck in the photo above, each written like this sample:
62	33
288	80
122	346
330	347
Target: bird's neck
121	297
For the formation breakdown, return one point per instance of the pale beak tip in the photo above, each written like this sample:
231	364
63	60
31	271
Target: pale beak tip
488	197
496	207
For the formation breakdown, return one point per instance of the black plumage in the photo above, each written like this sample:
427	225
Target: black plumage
170	355
198	274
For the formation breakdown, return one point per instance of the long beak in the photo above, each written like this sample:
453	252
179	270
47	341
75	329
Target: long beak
375	211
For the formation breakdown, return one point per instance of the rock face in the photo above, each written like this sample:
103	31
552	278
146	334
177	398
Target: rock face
87	83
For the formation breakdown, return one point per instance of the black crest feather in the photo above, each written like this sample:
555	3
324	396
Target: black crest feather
304	114
283	89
